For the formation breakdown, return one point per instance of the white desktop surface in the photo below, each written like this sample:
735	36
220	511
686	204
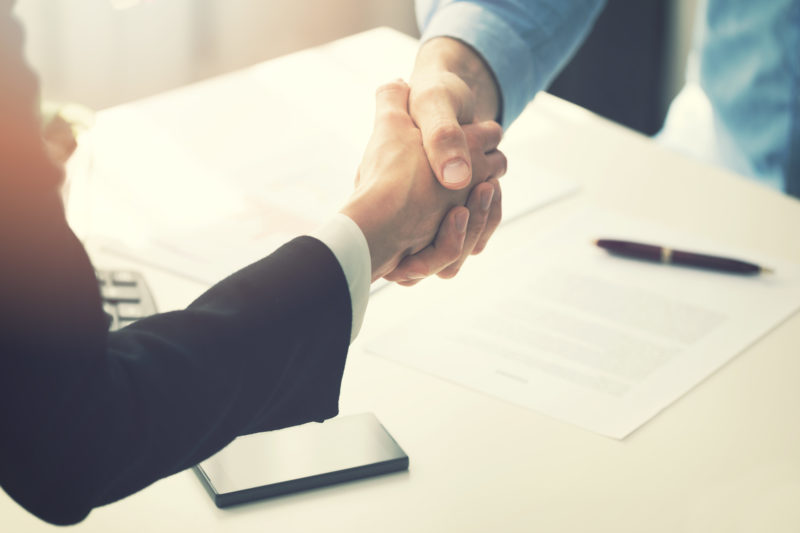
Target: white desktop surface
725	457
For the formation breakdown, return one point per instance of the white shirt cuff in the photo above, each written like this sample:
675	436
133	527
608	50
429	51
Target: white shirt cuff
347	242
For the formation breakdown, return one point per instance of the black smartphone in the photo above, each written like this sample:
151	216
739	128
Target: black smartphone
313	455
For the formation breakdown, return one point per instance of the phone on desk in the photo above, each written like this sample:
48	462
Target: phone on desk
313	455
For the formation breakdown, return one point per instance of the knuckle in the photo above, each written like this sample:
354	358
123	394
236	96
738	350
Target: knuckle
430	92
449	272
474	142
452	252
446	133
503	167
476	136
390	87
446	255
494	130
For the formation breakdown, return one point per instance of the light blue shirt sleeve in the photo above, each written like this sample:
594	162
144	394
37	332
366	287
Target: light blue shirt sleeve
524	42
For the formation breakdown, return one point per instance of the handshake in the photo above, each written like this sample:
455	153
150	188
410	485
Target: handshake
423	203
427	193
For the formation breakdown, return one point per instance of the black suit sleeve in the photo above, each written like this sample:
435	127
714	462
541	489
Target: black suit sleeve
88	417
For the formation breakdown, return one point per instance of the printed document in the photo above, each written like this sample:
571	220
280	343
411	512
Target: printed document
600	341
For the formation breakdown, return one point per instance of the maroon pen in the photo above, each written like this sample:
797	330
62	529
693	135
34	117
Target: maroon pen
663	254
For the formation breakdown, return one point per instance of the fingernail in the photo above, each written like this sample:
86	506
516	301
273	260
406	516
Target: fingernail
462	217
455	171
486	199
415	275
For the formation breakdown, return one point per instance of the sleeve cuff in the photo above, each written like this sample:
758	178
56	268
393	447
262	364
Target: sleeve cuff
347	242
506	53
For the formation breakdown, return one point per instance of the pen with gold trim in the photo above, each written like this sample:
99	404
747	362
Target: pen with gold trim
663	254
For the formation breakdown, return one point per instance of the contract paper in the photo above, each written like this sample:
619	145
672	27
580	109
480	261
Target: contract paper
203	180
603	342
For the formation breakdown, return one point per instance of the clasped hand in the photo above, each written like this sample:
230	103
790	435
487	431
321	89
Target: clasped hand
414	226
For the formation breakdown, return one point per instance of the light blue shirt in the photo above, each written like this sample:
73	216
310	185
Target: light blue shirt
749	55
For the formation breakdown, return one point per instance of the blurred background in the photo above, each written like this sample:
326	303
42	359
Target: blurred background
88	52
93	53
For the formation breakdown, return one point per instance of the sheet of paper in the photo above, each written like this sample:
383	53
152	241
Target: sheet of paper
205	179
599	341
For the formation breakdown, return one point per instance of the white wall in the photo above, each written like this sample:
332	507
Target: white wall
88	52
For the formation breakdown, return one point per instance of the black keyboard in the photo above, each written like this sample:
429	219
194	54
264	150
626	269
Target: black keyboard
126	297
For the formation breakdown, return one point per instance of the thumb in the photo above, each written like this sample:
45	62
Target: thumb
439	111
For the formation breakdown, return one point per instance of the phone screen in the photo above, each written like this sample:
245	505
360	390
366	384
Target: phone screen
299	458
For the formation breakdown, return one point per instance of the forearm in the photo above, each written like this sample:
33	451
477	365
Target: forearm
445	54
263	349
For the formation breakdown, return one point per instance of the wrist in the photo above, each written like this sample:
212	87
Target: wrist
383	253
446	54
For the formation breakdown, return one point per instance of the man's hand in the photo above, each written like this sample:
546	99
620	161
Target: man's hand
452	87
398	203
440	102
448	252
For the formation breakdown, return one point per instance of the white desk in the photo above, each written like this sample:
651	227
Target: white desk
726	457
